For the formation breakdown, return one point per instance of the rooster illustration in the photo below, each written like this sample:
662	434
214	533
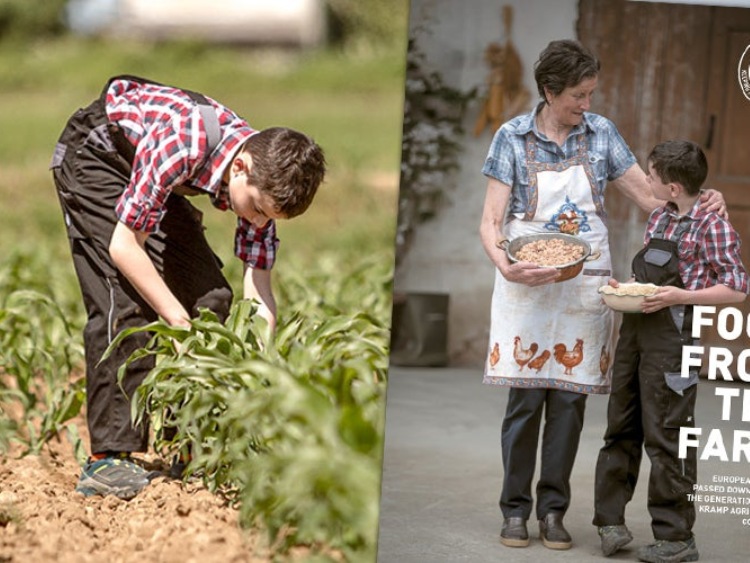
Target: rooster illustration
495	355
521	355
538	362
604	361
569	223
569	359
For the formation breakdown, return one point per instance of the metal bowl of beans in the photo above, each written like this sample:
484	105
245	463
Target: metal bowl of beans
567	253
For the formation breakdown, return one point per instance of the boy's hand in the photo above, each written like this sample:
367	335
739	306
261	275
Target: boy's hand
713	200
257	285
667	296
614	283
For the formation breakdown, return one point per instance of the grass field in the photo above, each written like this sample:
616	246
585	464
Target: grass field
351	104
314	397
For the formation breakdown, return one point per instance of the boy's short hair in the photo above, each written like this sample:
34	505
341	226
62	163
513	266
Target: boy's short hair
287	165
680	161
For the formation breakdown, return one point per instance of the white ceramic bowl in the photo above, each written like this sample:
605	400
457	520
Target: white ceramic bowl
628	297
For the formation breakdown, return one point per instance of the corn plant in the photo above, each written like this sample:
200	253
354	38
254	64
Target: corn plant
40	351
288	426
8	428
38	354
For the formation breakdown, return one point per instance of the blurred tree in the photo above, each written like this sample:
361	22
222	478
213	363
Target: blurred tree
30	19
383	22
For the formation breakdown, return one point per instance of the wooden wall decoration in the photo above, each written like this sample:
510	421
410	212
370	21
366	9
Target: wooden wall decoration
506	94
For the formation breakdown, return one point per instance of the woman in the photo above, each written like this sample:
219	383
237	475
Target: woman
552	342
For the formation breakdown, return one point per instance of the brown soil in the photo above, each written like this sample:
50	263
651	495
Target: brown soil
43	519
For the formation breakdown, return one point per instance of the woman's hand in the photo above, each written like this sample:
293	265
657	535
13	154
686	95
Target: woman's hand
713	200
529	274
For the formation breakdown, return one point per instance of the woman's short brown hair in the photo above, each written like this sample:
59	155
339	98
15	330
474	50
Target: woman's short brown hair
287	165
562	64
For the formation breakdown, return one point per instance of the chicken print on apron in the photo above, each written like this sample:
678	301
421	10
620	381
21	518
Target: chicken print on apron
558	335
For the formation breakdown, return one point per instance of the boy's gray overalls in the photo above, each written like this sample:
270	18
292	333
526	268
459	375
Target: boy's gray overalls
649	403
91	168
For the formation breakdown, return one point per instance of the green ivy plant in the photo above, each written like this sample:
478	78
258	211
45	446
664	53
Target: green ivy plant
431	143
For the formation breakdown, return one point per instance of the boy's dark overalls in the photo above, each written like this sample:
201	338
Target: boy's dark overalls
649	403
91	168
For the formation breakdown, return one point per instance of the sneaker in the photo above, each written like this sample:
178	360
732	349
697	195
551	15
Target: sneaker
553	533
514	532
614	538
664	551
114	475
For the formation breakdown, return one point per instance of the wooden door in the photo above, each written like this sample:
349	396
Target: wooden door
670	71
727	142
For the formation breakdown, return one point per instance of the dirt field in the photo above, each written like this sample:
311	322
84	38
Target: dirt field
43	519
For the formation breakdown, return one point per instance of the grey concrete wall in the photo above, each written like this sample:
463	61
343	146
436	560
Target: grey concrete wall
446	255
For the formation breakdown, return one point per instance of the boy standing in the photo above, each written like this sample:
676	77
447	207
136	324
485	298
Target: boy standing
123	167
695	256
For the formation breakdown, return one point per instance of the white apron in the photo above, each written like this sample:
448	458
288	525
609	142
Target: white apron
559	335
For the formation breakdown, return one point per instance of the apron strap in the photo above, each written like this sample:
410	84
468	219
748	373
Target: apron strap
530	147
583	146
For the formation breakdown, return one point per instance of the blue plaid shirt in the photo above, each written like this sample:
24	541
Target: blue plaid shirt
609	155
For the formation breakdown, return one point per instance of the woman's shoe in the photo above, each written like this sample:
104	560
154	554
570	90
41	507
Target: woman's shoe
514	532
553	533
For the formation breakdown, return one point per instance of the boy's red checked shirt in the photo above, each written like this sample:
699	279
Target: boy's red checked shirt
167	129
709	250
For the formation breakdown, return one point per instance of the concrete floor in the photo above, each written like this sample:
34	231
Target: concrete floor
442	474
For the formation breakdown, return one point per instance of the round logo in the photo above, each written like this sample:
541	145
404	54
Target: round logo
743	72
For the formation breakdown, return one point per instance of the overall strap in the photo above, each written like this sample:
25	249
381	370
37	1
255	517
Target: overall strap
210	119
684	225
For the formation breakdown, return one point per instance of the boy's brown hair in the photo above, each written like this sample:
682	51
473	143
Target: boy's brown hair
682	162
287	165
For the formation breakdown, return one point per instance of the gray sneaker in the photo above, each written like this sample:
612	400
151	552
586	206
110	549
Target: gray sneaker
614	538
115	475
669	551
